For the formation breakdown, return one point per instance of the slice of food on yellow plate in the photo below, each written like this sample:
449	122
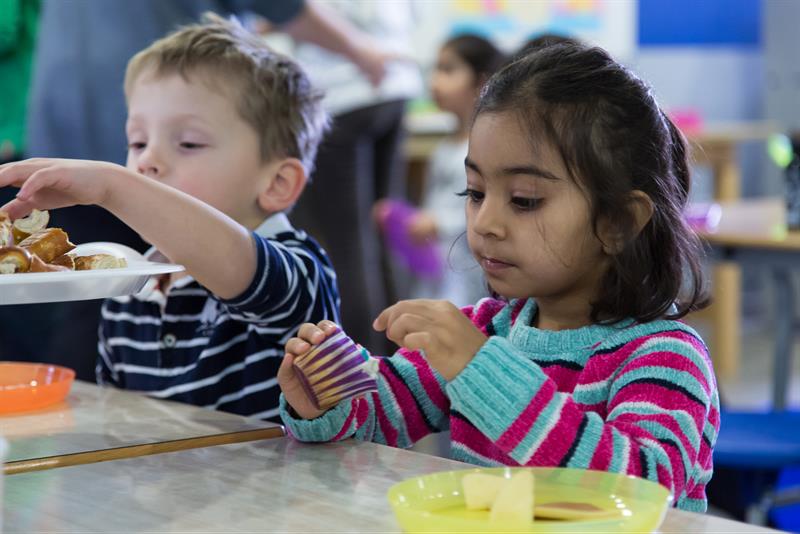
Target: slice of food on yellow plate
514	503
35	221
480	490
573	511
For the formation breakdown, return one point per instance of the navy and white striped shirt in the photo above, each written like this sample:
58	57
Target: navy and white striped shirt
193	347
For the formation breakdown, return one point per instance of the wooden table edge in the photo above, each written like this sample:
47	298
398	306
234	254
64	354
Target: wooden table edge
145	449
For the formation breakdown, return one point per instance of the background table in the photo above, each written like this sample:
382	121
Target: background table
754	231
276	485
96	424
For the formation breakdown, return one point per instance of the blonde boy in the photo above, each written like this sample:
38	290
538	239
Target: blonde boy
222	134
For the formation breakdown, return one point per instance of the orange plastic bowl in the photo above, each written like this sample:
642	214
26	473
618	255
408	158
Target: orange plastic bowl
31	386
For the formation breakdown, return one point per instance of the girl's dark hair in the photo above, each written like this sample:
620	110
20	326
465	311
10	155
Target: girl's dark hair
478	53
613	138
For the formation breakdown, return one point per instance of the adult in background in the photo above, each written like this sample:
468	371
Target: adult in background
360	160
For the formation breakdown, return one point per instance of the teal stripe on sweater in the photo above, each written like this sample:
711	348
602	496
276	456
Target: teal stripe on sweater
408	371
693	505
492	379
660	432
592	394
680	378
548	418
588	444
323	428
681	349
393	413
620	458
682	418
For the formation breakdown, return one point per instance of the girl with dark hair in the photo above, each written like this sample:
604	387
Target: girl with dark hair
463	65
575	185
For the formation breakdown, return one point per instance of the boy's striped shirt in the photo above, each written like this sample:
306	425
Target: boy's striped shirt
192	347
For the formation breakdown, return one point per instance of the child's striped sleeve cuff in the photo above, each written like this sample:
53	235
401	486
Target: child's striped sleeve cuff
329	426
495	387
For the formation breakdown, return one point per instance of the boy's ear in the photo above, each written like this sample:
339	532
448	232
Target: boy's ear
286	183
640	207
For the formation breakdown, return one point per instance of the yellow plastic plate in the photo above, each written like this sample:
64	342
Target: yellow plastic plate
435	503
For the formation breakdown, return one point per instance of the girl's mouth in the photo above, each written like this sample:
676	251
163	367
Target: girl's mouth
493	265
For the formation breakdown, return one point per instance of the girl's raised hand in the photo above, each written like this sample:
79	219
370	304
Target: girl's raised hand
308	336
55	183
436	327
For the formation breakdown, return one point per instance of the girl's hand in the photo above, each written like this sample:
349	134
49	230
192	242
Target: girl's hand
422	227
55	183
447	337
308	336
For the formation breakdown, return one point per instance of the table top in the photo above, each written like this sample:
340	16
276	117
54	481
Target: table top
96	423
277	485
754	223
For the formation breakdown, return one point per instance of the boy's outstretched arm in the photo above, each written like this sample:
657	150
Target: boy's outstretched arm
216	250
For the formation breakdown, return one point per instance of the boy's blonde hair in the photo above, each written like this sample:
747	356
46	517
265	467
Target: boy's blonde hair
271	92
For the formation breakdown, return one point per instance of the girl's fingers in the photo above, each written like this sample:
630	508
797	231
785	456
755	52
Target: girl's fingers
297	346
285	371
405	324
421	341
421	307
311	333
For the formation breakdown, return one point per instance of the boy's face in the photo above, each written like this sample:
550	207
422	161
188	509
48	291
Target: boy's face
191	137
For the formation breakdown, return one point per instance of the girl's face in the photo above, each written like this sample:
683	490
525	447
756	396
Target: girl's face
454	86
528	224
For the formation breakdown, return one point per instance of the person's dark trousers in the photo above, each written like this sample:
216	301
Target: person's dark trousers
62	333
360	161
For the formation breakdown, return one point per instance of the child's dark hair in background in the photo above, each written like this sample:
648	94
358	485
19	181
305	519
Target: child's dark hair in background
483	57
613	139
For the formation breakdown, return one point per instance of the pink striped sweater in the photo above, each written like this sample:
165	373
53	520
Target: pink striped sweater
634	398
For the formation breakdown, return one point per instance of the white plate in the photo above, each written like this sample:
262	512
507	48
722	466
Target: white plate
31	288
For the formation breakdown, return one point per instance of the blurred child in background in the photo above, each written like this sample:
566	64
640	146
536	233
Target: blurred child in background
464	64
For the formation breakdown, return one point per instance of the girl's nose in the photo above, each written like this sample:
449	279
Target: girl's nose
488	221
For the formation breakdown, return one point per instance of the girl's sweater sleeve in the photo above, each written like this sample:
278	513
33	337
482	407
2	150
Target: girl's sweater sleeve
660	412
410	402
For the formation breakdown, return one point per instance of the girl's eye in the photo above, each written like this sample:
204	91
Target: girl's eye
526	203
136	146
473	194
191	146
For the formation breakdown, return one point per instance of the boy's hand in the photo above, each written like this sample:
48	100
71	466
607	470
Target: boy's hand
308	336
436	327
55	183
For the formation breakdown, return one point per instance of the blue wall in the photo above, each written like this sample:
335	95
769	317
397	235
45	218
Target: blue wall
700	22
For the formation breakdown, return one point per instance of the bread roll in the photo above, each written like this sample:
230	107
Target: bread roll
35	221
48	244
6	230
65	260
14	260
38	266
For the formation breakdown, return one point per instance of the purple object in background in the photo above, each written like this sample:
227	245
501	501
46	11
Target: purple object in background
703	216
423	259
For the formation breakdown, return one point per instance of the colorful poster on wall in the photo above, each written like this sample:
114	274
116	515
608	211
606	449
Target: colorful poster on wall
609	23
